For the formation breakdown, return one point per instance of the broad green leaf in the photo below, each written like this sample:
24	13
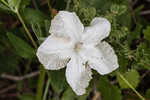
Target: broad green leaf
22	48
33	16
58	80
147	33
68	94
131	76
108	91
14	4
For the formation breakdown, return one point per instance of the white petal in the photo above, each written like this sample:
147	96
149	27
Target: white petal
66	24
97	31
78	75
102	59
54	53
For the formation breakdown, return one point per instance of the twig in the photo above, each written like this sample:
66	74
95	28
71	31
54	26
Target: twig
145	12
97	96
134	2
8	88
35	5
145	74
18	78
131	10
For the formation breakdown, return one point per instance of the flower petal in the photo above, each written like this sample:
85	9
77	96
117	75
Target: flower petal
66	24
54	53
103	58
97	31
78	75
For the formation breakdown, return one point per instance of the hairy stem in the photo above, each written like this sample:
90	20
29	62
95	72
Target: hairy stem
27	31
5	3
46	89
40	84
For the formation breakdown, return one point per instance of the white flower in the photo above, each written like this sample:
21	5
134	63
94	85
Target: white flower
80	48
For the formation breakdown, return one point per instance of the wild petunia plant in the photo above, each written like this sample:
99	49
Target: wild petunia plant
79	48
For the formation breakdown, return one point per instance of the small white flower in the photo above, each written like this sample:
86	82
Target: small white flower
80	48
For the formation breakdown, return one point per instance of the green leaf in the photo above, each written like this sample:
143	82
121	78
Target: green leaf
24	3
147	94
108	91
4	7
147	33
68	94
10	61
26	97
58	80
33	16
131	76
14	4
118	9
22	48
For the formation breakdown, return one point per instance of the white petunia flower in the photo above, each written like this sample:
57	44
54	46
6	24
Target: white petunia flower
80	48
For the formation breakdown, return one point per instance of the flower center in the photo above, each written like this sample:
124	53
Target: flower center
78	46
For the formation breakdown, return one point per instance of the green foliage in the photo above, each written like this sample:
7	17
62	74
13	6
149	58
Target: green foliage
147	94
108	91
4	7
14	4
71	95
22	48
147	33
26	97
33	16
130	38
132	76
58	83
9	61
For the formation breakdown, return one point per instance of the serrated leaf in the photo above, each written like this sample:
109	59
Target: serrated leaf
131	76
108	91
22	48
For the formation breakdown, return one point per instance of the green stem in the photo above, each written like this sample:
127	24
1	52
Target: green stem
40	84
49	6
68	4
46	90
27	31
42	70
5	3
126	81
